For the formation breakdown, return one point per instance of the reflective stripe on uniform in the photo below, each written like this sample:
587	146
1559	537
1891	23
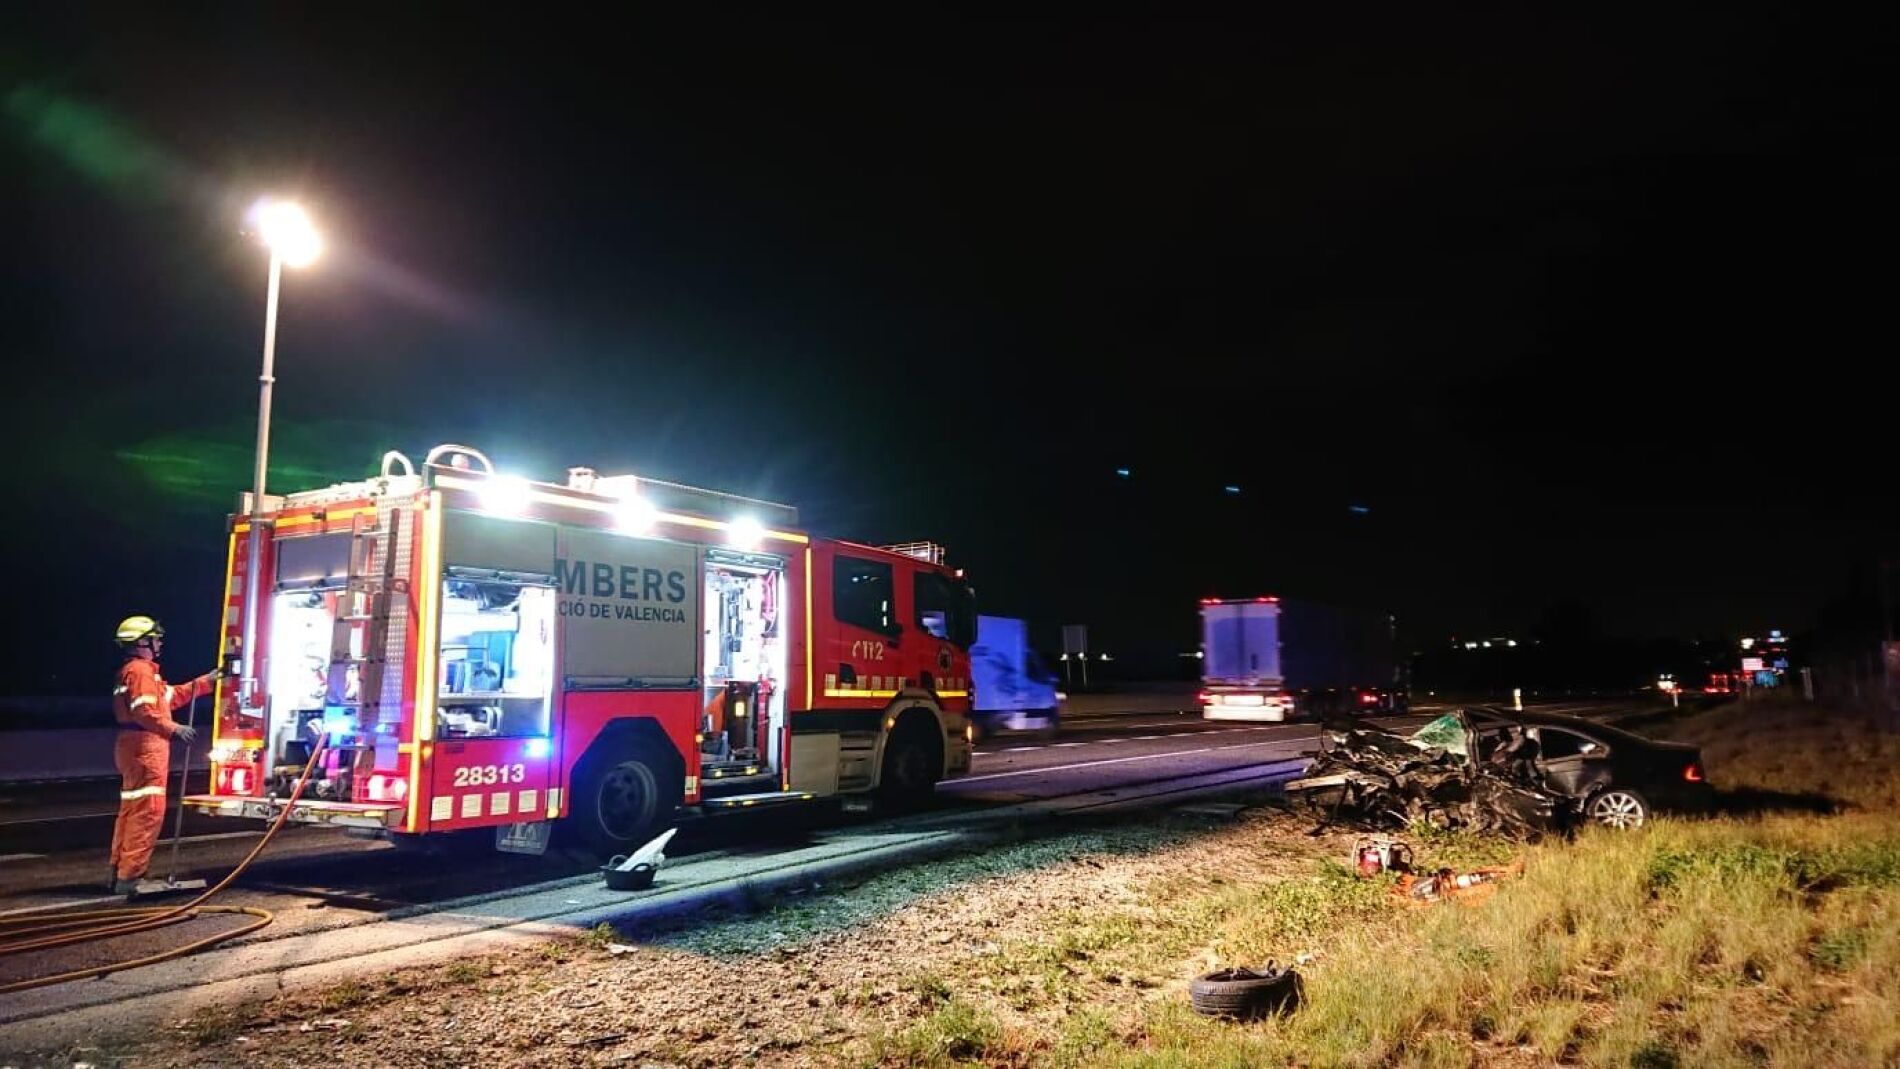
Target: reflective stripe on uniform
146	700
120	689
141	792
168	695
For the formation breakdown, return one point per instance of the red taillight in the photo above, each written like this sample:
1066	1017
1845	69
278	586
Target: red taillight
1693	773
387	788
234	780
1204	698
1368	699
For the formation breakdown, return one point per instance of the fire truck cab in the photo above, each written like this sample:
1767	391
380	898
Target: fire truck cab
475	650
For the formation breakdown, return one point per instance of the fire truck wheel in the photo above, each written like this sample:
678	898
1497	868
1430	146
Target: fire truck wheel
913	762
619	805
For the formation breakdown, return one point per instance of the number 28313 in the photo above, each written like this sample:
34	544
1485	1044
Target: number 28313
487	775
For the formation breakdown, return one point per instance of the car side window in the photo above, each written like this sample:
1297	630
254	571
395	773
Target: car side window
1555	742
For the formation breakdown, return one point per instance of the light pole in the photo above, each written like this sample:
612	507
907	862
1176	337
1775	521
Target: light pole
286	231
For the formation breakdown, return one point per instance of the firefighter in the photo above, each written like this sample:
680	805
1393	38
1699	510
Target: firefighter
142	703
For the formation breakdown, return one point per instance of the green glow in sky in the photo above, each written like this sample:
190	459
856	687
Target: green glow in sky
91	141
211	467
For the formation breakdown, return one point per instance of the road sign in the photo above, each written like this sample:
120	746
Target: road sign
1075	638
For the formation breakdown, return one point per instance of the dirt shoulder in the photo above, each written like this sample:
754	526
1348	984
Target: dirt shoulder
974	956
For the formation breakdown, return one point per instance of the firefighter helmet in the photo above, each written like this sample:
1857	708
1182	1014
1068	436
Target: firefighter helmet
137	629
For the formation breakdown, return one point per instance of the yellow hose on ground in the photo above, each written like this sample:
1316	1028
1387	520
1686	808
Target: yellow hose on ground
20	935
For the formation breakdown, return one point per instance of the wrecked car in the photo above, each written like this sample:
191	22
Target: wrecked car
1520	774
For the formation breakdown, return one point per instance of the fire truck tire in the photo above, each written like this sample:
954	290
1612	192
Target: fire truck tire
913	762
619	804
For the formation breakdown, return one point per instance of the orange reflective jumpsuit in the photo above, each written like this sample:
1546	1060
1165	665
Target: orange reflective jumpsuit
142	703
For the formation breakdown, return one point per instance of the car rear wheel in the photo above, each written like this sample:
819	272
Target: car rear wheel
1620	808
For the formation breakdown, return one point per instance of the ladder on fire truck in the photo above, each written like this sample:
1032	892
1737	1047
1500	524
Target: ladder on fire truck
359	639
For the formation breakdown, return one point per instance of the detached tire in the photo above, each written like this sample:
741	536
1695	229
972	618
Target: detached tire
621	801
913	762
1244	994
1619	808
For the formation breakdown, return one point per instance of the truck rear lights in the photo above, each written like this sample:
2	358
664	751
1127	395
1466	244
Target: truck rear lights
236	780
385	788
1368	698
1693	773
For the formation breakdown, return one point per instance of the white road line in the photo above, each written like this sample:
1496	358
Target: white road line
55	820
1117	761
66	903
218	835
18	857
1147	738
1060	745
1019	749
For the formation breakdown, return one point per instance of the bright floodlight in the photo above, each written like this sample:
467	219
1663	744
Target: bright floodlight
283	226
636	515
745	533
506	494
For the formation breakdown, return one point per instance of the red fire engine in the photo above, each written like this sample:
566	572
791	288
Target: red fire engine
475	650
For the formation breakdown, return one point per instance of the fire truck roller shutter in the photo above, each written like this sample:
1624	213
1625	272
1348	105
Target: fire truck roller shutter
913	758
478	543
630	608
627	787
313	561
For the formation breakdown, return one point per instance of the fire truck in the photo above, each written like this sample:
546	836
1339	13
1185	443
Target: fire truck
465	649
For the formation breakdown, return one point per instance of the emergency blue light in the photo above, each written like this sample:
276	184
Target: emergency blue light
1123	472
1231	489
537	748
1358	510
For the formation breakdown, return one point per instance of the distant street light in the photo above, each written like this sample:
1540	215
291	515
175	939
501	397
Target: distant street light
286	231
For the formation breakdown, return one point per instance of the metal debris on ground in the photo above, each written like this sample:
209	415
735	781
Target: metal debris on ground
1369	778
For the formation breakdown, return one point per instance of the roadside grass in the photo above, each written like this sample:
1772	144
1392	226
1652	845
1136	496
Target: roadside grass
1768	939
1779	745
1708	943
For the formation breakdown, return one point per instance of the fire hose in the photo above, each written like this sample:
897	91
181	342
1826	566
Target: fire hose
21	935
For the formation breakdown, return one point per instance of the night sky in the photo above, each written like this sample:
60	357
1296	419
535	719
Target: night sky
1483	316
